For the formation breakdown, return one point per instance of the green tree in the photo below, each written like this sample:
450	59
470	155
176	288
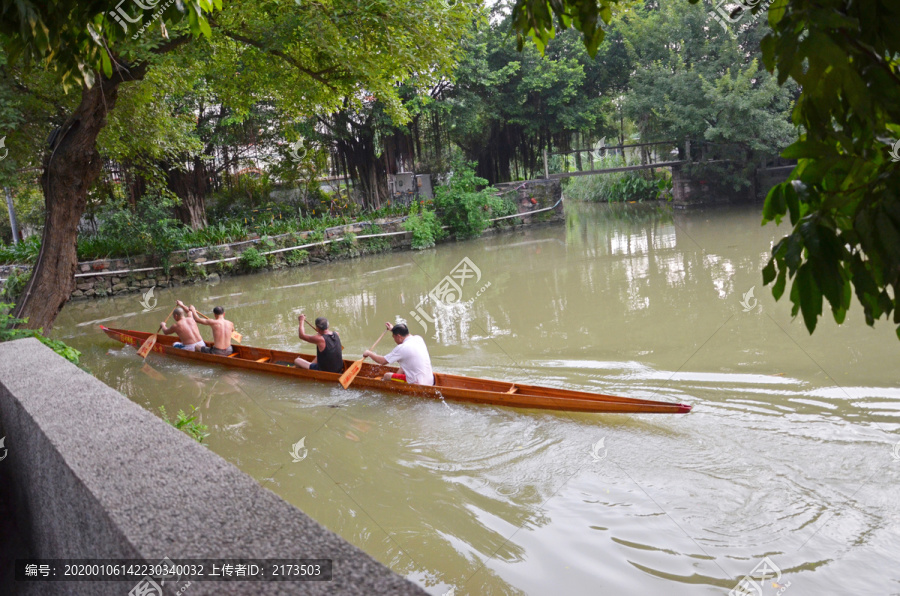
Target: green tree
81	44
842	199
505	107
304	58
698	82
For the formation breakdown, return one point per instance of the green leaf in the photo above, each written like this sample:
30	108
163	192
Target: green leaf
810	297
778	288
775	206
840	312
768	272
808	148
106	64
204	26
776	12
792	202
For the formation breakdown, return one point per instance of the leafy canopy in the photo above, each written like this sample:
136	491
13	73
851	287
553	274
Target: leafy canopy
74	38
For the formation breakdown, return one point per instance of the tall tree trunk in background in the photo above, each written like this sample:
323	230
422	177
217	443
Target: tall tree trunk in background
368	172
191	187
70	167
134	183
436	128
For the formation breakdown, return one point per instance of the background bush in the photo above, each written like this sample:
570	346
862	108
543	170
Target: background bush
9	332
425	227
617	187
251	260
464	209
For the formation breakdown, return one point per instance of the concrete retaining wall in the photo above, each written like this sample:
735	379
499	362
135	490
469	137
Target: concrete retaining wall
91	474
769	177
538	201
693	191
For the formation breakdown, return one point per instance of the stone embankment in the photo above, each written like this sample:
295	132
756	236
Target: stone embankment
88	474
538	201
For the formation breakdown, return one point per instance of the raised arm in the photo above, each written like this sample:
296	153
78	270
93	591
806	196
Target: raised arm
196	317
313	339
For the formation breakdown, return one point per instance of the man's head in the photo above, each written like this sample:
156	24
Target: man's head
178	313
322	324
218	311
400	332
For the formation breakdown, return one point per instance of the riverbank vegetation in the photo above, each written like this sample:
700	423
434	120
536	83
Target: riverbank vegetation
464	205
11	328
620	187
189	424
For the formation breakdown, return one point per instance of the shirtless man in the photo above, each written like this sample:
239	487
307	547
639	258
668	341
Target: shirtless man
185	328
221	328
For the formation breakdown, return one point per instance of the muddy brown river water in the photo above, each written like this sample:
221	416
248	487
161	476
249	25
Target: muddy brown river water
791	451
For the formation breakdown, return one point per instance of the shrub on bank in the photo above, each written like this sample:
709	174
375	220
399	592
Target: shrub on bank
9	332
464	209
15	283
374	245
25	251
425	227
251	260
618	187
296	257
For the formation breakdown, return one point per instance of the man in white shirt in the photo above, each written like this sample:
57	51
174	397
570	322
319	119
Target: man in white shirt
411	354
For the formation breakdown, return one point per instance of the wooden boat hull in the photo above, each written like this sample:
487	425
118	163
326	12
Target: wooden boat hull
451	387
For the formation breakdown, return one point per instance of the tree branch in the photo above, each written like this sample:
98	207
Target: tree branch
315	75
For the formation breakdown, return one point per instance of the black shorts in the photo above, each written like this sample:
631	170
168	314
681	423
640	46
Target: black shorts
216	351
315	366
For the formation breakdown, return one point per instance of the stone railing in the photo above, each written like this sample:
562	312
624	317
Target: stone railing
89	474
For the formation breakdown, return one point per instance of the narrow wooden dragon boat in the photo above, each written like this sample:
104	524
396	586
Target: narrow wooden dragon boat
452	387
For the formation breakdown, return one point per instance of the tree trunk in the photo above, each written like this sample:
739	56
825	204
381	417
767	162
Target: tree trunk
192	210
368	172
70	167
191	187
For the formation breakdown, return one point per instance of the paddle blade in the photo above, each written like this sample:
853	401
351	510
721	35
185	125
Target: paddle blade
236	336
147	346
152	372
350	373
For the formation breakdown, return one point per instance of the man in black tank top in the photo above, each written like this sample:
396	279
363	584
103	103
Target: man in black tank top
328	348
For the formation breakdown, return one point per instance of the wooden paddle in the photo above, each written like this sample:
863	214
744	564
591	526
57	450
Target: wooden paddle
234	334
151	341
354	369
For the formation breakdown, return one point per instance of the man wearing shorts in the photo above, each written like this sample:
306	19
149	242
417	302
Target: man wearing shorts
411	354
185	328
222	330
328	348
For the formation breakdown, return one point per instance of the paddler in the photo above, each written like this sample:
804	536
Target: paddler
411	354
185	328
221	328
328	347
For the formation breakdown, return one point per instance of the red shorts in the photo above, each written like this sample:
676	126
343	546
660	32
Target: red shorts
398	377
